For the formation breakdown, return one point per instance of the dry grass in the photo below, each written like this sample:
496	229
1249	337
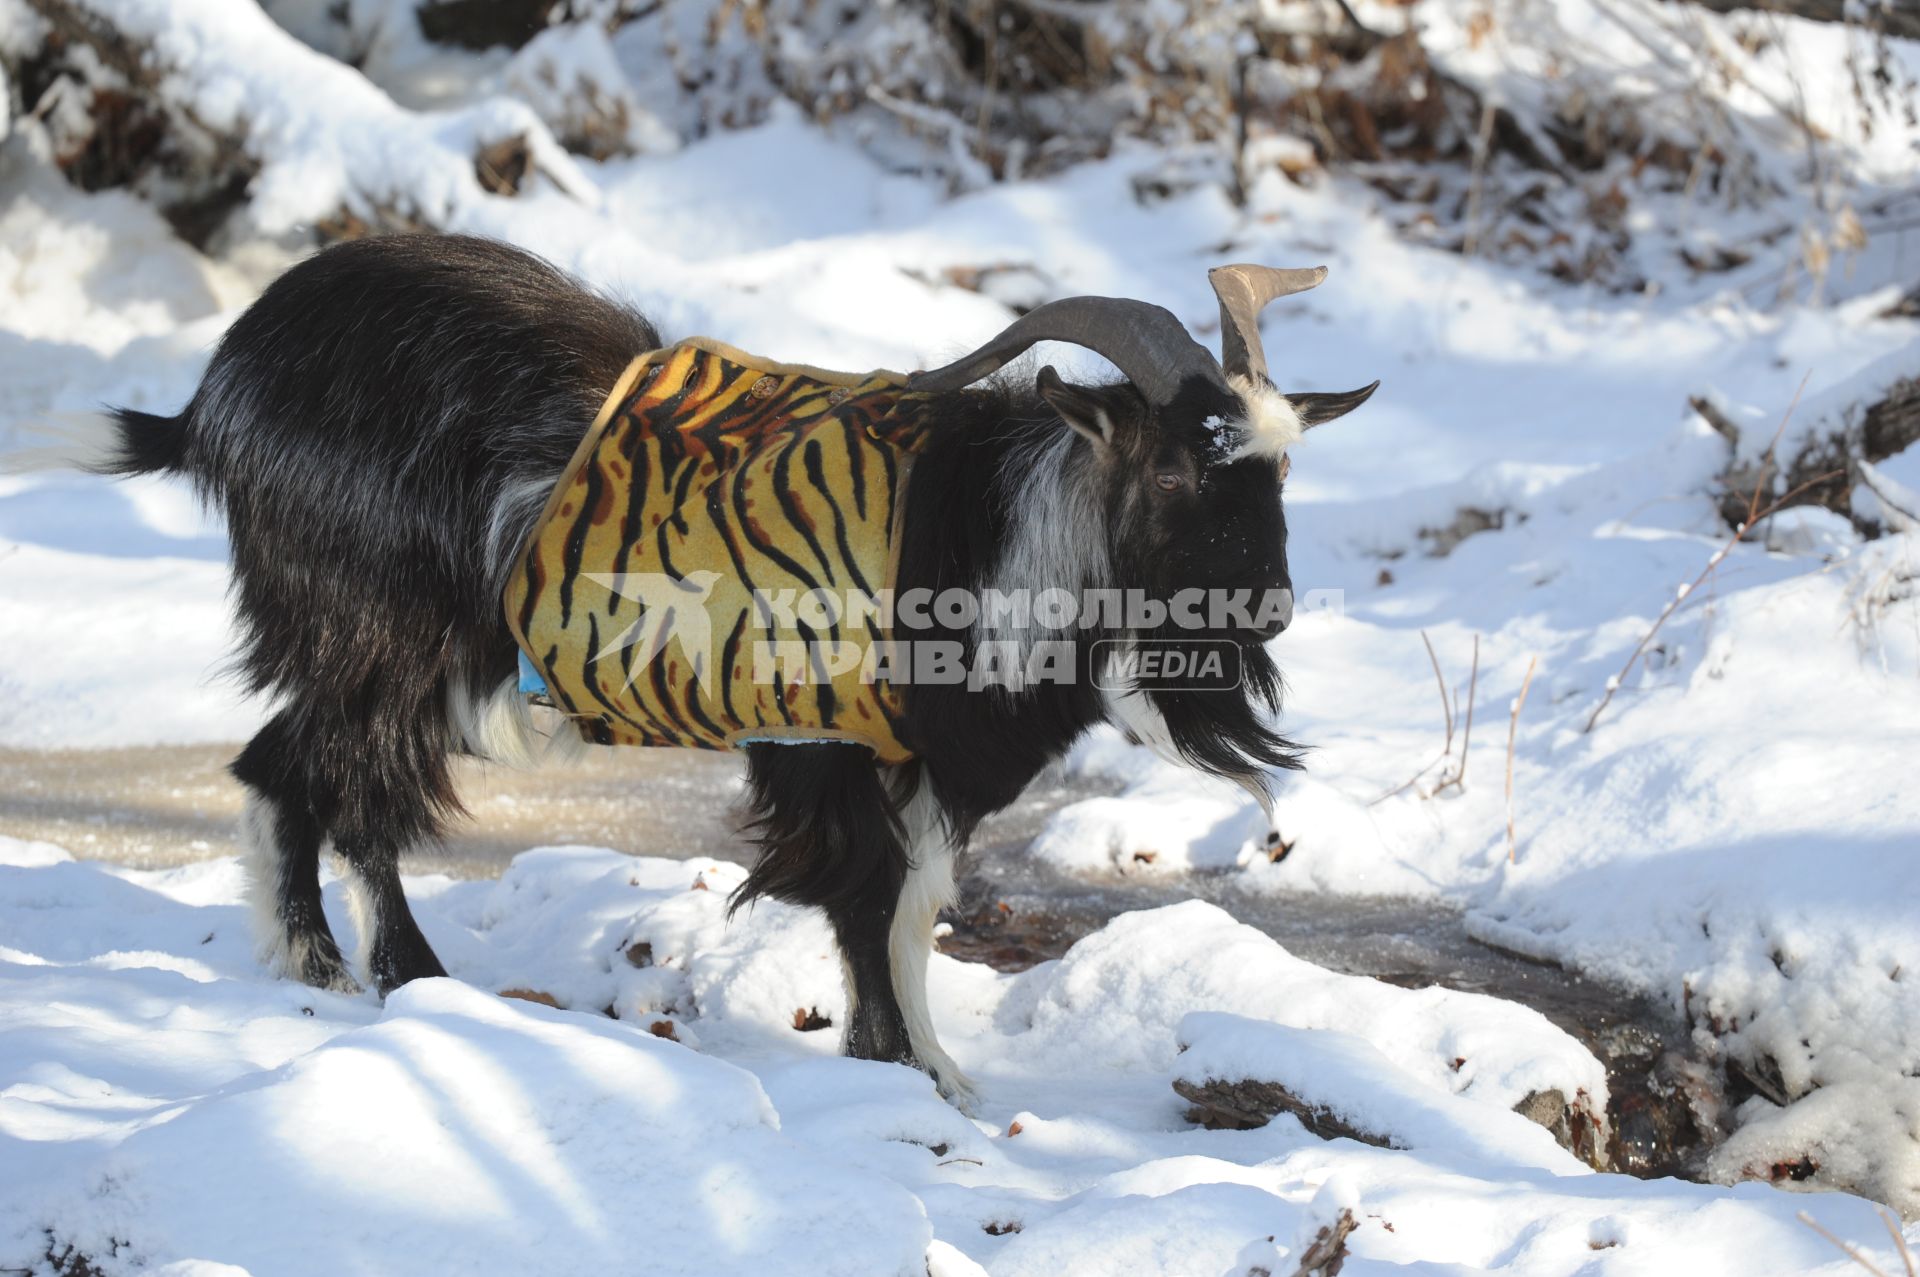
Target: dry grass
1900	1246
1449	706
1513	731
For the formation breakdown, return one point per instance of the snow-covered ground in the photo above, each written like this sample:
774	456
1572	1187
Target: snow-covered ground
167	1109
1735	834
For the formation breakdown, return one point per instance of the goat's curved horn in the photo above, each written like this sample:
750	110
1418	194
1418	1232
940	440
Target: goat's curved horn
1244	292
1149	346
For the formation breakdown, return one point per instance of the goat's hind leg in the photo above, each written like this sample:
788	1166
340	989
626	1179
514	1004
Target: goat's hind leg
401	787
282	828
829	837
392	949
368	786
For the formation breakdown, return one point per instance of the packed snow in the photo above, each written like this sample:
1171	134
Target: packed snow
1733	836
166	1107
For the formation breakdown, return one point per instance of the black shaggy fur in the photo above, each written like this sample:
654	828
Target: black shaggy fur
829	836
358	426
382	428
981	751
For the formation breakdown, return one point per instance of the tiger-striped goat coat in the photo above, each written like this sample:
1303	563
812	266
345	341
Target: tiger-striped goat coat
656	597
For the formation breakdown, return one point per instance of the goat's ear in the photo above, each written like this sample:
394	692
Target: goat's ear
1076	407
1315	409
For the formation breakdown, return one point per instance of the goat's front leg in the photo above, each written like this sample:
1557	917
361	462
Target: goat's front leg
927	889
876	1028
830	836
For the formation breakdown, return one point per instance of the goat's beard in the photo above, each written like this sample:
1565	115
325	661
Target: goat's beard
1226	732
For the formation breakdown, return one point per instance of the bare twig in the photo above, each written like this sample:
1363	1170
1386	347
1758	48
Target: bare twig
1856	1256
1513	730
1755	516
1242	68
1446	709
1473	691
1899	1239
1409	782
1441	680
1466	736
1681	595
1482	144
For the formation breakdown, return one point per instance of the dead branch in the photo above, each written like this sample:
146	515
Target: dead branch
1843	454
1473	691
1888	18
1721	423
1409	782
1513	731
1900	1245
1325	1254
1466	737
1754	516
1899	1239
1482	146
1446	710
1441	681
1719	556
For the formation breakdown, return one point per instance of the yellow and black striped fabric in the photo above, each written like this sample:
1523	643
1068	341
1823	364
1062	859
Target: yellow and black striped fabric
710	483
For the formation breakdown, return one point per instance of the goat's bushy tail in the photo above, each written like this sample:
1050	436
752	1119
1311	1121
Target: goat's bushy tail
119	442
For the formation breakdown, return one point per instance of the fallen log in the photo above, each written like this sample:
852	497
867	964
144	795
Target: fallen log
145	130
1894	20
1826	467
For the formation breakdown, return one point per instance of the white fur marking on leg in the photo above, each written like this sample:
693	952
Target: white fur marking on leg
365	910
283	953
927	890
260	858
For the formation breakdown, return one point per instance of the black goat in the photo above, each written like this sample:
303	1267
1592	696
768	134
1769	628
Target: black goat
384	426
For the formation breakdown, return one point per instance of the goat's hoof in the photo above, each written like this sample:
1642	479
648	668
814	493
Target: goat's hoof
333	977
957	1089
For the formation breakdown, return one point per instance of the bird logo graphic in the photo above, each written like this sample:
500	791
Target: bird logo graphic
673	611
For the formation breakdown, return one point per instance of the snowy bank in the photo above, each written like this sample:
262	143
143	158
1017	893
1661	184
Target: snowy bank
163	1106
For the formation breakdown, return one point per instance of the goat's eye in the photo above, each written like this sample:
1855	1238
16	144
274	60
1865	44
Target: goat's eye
1169	482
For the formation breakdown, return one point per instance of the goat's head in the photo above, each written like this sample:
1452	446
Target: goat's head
1190	451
